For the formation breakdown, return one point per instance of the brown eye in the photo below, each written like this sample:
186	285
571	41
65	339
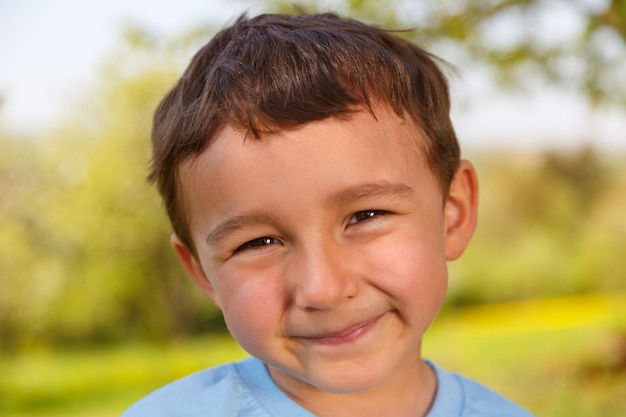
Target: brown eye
361	216
257	243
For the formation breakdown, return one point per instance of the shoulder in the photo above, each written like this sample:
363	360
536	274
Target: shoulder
218	391
235	389
461	397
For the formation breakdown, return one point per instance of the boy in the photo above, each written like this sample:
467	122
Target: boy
313	180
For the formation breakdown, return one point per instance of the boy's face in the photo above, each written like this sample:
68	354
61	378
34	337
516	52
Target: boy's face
326	246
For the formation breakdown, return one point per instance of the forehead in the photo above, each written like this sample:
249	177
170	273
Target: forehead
237	171
380	122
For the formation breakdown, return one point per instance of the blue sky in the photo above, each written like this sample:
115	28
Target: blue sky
50	51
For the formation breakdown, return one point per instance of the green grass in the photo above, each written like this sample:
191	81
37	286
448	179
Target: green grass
101	382
559	357
563	357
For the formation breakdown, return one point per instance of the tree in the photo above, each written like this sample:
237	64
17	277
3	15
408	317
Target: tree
84	248
84	254
578	45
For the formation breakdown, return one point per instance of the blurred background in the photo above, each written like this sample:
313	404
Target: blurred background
94	310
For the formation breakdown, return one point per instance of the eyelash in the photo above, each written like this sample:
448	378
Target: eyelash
366	216
257	243
356	218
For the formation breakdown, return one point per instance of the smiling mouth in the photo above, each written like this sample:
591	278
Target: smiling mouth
348	335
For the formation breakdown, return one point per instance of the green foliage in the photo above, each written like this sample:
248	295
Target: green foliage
85	259
548	225
84	253
520	40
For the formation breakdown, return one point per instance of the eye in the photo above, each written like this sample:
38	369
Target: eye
257	243
365	215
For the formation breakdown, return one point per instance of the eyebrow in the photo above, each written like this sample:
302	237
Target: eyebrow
370	190
346	195
234	223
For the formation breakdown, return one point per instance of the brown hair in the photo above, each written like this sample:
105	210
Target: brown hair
277	71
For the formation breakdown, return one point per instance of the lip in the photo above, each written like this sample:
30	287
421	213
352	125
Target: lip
349	334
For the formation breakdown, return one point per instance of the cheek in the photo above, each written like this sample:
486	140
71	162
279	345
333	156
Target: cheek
411	267
251	304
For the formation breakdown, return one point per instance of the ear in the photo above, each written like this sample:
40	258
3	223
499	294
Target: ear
461	210
194	269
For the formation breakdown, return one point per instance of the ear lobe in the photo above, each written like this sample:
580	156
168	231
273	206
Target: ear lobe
460	211
193	268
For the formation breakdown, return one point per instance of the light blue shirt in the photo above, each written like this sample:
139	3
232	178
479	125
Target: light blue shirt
246	389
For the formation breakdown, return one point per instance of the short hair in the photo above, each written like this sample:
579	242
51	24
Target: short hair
276	71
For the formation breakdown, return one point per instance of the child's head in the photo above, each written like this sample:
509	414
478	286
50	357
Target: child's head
277	72
312	175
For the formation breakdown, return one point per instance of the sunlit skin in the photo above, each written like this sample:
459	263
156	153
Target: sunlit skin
325	246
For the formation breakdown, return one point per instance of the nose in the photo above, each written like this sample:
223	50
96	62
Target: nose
323	277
